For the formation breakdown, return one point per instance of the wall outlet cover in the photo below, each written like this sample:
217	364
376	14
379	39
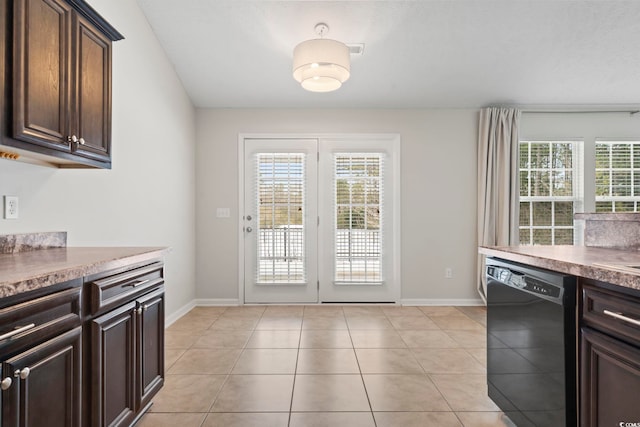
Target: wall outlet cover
10	207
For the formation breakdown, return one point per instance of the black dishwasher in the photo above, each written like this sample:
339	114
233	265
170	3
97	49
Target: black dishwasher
531	344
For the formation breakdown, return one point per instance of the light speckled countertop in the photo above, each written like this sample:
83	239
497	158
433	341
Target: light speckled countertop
591	262
26	271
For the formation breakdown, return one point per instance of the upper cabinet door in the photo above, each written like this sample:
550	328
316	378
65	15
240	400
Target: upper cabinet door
42	65
92	92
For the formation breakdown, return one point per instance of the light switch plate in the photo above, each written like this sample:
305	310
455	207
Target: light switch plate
10	207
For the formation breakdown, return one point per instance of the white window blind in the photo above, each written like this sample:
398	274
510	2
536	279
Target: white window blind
281	196
549	180
358	202
617	176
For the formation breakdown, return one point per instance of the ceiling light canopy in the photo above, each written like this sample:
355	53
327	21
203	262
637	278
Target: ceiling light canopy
321	65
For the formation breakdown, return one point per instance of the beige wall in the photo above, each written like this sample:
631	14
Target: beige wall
147	199
438	185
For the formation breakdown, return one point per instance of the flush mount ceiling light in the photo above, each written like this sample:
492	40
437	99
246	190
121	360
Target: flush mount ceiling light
321	65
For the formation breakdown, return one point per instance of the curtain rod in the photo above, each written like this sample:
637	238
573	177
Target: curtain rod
535	111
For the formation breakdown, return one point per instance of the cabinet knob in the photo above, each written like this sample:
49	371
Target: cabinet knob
22	373
81	141
6	383
72	138
145	307
139	310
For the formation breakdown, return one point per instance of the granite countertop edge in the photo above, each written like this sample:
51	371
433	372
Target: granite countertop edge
578	261
28	271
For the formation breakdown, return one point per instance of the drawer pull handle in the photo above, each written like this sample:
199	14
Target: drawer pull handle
137	283
6	383
622	317
17	331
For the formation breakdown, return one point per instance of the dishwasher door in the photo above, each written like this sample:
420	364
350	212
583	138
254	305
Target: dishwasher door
531	344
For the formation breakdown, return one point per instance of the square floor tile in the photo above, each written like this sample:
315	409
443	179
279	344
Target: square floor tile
485	419
362	310
230	419
323	322
476	338
433	311
235	322
192	323
274	339
315	338
448	361
402	311
206	361
404	393
171	420
267	361
255	393
222	339
187	393
180	339
329	393
457	322
427	339
331	419
280	323
416	419
323	310
327	361
465	392
368	322
387	361
381	338
412	322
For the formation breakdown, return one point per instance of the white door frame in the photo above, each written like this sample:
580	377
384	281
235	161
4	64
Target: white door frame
396	244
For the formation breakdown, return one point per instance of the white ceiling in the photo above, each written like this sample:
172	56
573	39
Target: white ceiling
418	54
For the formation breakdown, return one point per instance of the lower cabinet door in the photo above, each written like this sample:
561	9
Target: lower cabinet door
150	346
113	354
610	383
46	384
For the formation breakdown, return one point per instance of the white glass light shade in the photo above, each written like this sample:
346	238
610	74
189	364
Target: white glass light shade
321	65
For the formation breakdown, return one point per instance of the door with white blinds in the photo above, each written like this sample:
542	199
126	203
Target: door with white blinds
359	233
321	220
280	221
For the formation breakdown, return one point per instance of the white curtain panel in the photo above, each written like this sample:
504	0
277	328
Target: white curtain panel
498	191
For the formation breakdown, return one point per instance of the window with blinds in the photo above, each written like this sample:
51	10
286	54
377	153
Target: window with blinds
547	192
617	176
280	192
358	189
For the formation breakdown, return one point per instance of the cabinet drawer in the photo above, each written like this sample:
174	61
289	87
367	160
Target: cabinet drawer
114	290
617	314
33	321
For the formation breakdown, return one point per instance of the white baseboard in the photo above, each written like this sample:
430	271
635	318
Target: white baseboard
440	302
209	302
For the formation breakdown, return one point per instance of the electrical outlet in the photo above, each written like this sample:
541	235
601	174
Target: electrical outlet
10	207
448	273
223	212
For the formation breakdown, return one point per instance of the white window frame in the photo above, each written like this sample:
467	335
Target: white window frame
577	177
634	170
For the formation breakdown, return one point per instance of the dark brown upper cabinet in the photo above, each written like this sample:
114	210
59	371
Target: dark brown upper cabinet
57	76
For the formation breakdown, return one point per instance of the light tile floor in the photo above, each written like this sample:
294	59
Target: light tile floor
312	366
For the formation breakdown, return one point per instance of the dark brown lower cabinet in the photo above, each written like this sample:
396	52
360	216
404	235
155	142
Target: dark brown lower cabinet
127	352
45	384
610	381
